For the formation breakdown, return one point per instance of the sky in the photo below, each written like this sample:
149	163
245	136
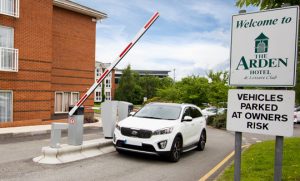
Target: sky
190	36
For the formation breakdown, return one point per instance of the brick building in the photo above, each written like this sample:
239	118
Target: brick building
111	82
47	58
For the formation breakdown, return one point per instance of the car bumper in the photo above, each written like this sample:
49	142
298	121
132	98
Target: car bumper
142	145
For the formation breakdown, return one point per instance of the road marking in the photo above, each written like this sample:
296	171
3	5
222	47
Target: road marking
219	165
258	141
254	138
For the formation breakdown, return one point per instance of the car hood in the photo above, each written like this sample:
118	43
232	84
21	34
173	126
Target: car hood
146	123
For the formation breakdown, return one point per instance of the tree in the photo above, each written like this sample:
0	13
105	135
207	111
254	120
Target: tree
128	89
194	90
149	85
266	4
219	76
169	94
218	88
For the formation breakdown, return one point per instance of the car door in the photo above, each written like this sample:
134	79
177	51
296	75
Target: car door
186	128
197	124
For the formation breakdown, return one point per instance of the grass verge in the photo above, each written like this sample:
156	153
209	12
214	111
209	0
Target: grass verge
258	162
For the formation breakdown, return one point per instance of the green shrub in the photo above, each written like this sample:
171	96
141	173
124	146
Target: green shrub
210	120
217	121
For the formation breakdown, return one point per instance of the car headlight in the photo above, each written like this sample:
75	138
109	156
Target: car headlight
118	127
163	131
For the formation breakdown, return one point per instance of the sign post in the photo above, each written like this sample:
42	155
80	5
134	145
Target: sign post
263	54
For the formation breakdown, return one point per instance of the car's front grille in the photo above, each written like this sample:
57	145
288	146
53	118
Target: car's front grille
136	133
144	147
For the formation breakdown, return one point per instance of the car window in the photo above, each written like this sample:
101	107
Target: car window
159	111
195	113
187	112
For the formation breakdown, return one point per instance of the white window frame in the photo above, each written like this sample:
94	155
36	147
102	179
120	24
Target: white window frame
98	72
100	97
107	85
14	52
11	106
109	96
63	100
13	35
16	7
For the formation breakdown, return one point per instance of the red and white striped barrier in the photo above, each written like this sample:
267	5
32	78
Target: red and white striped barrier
115	62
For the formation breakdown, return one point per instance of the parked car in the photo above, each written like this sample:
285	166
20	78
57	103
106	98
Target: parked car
297	115
295	118
222	110
210	111
164	129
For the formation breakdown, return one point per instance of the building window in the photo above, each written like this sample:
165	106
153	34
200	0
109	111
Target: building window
98	96
6	109
10	7
107	83
64	99
107	96
98	72
8	54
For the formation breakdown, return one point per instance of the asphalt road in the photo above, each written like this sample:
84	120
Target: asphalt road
16	161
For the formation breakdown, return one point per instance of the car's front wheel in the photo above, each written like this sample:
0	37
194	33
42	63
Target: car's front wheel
175	152
202	141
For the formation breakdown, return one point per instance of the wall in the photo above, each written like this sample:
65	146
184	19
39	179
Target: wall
56	53
73	54
33	37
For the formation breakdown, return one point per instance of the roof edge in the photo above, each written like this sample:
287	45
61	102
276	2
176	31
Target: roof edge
72	6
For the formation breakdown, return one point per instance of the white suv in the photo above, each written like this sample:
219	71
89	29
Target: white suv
165	129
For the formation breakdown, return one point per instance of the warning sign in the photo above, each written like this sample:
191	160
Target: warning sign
71	120
261	111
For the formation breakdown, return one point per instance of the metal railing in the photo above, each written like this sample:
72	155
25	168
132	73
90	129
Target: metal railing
10	7
9	59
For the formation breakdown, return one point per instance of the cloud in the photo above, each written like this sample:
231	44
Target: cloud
186	56
190	36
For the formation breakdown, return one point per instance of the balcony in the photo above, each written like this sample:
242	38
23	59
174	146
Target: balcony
9	58
10	7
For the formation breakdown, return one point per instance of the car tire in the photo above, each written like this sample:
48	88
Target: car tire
175	153
202	141
120	151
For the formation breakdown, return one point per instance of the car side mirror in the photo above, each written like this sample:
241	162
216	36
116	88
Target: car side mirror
131	113
187	118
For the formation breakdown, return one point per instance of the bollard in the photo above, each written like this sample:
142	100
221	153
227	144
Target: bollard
56	129
109	111
75	129
124	108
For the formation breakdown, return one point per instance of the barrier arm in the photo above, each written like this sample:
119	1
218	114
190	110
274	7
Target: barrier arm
115	62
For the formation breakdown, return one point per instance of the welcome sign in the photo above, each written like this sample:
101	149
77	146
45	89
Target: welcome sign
264	48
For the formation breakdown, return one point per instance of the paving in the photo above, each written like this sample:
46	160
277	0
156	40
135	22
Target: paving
37	130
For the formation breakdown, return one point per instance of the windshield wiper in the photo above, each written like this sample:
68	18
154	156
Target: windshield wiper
149	117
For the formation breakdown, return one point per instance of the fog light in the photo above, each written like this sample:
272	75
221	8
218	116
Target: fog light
162	144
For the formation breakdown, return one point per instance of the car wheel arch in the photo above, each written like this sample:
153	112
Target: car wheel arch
180	136
204	131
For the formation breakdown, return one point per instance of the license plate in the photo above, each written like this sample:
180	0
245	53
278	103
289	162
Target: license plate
132	142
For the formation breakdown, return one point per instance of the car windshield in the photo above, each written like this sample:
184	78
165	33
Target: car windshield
154	111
